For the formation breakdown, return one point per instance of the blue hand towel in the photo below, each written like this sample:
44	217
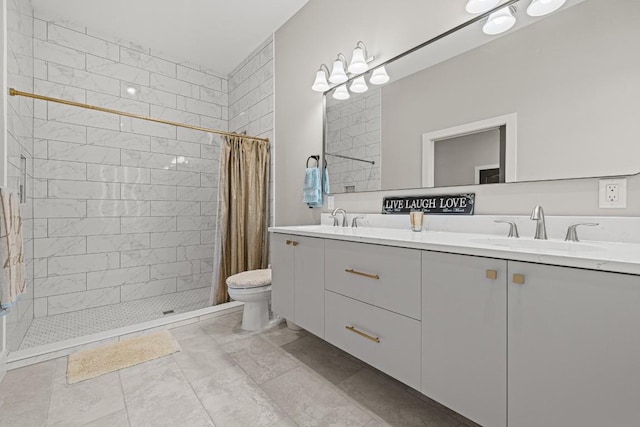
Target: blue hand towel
325	178
312	191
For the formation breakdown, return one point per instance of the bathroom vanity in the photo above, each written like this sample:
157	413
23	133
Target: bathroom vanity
515	332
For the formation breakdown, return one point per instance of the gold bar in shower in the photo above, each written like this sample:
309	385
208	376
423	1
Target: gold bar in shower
14	92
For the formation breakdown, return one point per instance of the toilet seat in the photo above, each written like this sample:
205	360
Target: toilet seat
250	279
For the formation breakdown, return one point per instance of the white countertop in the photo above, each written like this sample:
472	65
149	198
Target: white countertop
603	256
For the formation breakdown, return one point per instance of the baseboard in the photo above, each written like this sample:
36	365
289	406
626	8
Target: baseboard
31	356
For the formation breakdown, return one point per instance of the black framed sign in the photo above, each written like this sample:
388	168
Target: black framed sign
449	204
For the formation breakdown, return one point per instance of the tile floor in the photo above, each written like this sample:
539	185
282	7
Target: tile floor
223	377
50	329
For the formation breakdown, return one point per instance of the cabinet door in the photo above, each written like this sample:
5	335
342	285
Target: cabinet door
309	284
574	347
282	275
464	331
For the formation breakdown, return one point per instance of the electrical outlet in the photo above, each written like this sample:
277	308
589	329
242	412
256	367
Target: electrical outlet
331	202
613	193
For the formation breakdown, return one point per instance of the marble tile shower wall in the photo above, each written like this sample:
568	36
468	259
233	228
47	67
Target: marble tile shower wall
354	130
124	209
251	100
20	144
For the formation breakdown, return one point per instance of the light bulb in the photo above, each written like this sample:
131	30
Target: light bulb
379	76
337	74
131	90
543	7
358	64
499	22
320	84
359	85
480	6
341	93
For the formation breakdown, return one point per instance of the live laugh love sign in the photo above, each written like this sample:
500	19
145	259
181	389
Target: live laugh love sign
456	204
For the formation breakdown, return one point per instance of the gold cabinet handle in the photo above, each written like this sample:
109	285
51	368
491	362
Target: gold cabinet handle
492	274
288	242
370	276
518	279
362	334
294	243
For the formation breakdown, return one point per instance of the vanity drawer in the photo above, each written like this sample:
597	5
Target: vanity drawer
383	276
387	341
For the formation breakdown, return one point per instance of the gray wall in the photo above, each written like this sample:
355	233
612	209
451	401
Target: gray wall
575	97
456	158
314	35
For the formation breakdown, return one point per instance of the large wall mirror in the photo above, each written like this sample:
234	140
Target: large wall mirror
555	97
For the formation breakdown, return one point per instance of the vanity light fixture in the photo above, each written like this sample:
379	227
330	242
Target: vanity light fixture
338	74
379	76
359	61
359	85
503	20
499	21
341	93
321	84
543	7
480	6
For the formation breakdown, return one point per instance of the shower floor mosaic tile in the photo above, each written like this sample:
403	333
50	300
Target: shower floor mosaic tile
47	330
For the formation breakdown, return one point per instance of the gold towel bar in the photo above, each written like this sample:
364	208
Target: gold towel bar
371	276
362	334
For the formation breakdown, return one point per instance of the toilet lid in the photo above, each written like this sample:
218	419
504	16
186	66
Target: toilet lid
250	279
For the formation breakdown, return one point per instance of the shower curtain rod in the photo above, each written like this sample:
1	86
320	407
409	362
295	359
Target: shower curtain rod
14	92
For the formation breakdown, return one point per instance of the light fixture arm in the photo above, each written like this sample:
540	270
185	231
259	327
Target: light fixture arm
367	58
324	68
342	59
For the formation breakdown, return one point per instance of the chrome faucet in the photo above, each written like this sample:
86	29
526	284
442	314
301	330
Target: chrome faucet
335	218
541	229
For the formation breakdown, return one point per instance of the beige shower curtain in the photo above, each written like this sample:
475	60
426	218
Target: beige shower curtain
242	211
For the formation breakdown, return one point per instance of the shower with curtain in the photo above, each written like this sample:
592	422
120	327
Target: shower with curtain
121	212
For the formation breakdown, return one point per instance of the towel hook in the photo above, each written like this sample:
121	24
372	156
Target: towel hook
315	157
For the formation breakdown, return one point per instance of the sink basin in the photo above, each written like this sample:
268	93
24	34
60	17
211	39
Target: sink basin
541	245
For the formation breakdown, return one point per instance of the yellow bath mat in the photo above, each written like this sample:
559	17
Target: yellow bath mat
108	358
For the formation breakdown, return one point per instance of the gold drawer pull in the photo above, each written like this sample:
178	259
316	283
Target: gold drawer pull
291	242
362	334
288	242
371	276
518	279
492	274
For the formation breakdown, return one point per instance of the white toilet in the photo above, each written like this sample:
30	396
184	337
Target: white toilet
253	288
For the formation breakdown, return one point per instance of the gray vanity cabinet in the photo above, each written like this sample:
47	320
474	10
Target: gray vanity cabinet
464	334
298	280
574	347
504	343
